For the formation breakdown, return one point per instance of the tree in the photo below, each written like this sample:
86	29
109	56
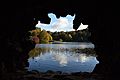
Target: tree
44	37
40	36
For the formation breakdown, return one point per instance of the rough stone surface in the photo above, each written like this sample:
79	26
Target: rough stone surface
18	17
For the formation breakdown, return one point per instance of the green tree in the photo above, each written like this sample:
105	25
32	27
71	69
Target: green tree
44	37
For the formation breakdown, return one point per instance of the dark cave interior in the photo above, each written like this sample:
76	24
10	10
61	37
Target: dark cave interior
17	18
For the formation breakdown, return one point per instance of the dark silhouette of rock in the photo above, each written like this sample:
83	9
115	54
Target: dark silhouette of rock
102	18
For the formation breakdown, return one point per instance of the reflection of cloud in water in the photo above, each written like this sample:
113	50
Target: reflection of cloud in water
62	58
37	58
83	58
63	55
65	58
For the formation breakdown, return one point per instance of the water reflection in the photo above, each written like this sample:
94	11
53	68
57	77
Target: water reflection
62	57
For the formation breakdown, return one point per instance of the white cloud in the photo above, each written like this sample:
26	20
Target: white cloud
81	27
42	25
63	24
60	24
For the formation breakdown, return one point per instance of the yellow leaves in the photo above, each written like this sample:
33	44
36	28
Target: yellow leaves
40	36
45	37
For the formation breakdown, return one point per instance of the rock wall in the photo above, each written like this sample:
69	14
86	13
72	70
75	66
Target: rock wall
17	19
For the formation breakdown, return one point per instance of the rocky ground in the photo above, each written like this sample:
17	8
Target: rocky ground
50	75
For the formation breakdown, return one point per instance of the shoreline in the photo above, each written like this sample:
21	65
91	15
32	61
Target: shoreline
50	75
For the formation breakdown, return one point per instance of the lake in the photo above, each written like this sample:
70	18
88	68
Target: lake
66	57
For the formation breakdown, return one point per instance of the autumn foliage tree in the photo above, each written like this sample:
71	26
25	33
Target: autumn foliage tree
40	36
44	37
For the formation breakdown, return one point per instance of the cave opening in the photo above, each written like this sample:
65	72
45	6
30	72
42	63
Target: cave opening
102	20
61	32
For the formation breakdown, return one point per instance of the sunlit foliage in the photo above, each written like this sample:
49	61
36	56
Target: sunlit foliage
40	36
44	37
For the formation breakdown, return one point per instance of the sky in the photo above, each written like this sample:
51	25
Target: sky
60	24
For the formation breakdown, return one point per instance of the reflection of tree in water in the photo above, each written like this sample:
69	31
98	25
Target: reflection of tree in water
87	51
37	51
71	51
82	57
64	55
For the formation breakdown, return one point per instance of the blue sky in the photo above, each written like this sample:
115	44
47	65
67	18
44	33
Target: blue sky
60	24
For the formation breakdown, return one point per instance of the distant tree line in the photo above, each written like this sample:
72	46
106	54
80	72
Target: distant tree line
71	36
42	36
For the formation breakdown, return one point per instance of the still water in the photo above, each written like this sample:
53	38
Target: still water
66	57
